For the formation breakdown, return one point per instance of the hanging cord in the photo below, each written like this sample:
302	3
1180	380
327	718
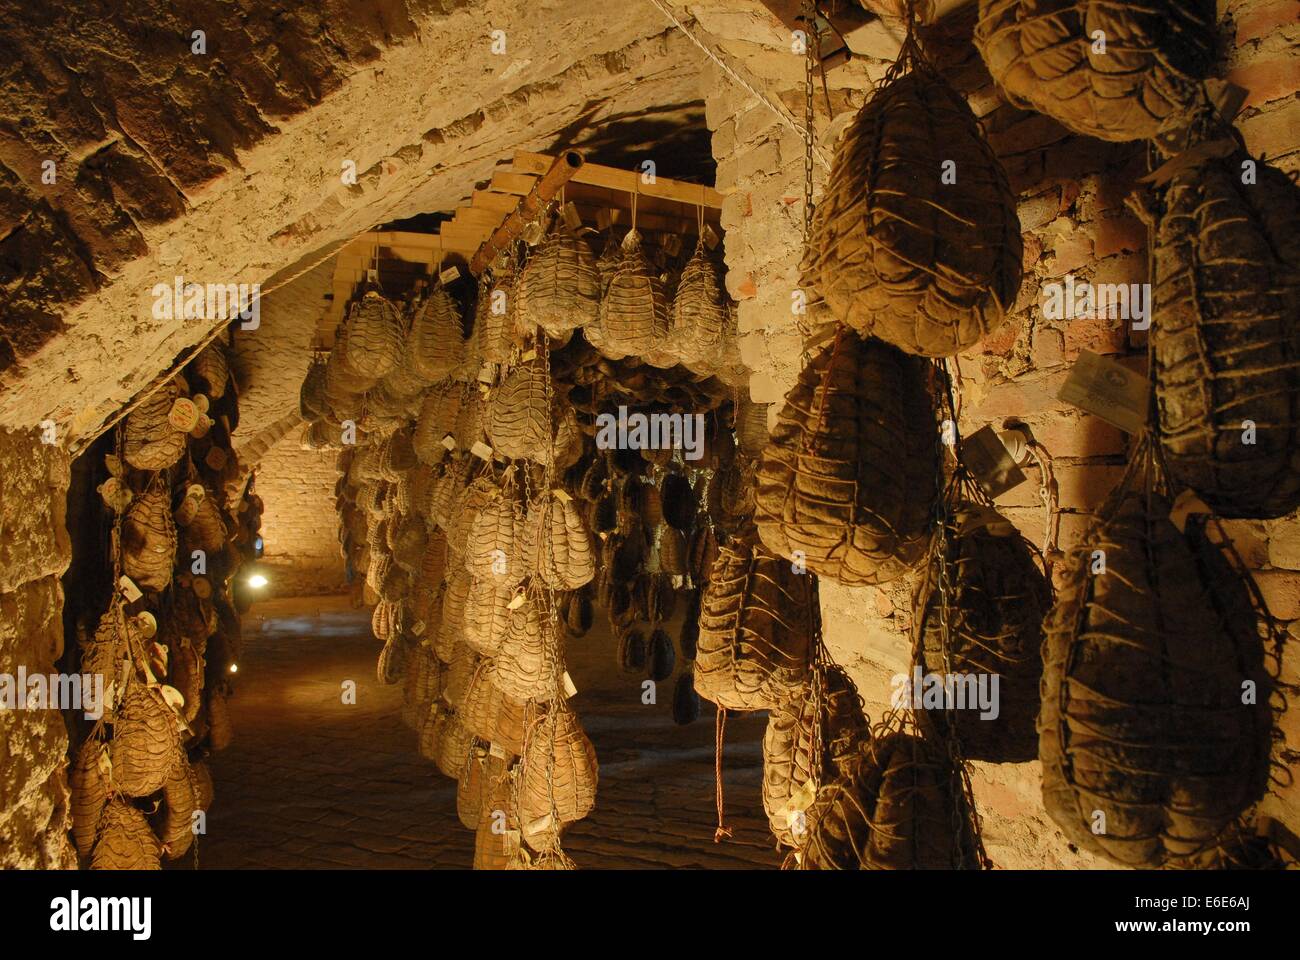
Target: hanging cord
784	117
719	730
965	814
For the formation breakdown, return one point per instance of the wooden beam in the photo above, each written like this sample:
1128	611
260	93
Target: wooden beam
561	170
627	181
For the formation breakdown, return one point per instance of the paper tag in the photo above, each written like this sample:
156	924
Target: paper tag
184	415
449	441
496	751
571	216
538	825
129	589
186	512
196	490
672	244
481	450
569	688
989	462
603	218
516	602
533	233
1109	390
372	275
216	459
448	275
710	238
530	355
562	495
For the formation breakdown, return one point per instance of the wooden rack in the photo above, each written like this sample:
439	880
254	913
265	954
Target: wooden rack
497	209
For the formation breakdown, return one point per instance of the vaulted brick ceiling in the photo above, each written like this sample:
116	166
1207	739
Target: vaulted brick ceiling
225	166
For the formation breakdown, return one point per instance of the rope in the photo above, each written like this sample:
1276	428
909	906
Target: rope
719	727
741	81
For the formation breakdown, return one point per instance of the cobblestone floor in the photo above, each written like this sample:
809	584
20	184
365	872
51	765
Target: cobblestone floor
310	782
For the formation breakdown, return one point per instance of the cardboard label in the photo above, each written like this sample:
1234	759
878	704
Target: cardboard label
711	239
530	355
672	244
533	233
449	441
990	464
146	623
1108	389
496	751
562	495
481	450
516	602
571	216
129	589
448	275
486	373
569	688
184	415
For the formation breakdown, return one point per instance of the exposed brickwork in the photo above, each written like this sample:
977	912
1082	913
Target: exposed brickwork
299	526
1071	194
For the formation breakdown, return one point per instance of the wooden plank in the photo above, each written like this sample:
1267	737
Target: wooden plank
515	183
493	201
623	180
470	217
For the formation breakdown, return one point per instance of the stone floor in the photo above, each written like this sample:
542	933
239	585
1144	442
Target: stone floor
310	782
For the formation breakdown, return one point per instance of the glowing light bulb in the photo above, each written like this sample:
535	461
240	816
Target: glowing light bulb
234	668
257	580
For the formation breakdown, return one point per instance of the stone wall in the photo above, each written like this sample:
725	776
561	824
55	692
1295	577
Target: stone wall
299	525
1071	193
34	552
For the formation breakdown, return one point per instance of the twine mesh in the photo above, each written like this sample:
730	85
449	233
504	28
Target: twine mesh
1047	56
1226	346
895	252
559	287
756	625
1149	753
847	481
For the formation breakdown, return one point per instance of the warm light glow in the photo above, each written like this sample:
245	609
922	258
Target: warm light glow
234	668
257	580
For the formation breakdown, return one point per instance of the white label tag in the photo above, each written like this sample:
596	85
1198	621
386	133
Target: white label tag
989	462
530	355
516	602
481	450
710	238
448	275
569	688
486	373
562	494
1109	390
129	589
449	441
571	216
496	751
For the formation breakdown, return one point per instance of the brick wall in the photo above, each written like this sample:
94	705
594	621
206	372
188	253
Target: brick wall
1071	193
299	525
